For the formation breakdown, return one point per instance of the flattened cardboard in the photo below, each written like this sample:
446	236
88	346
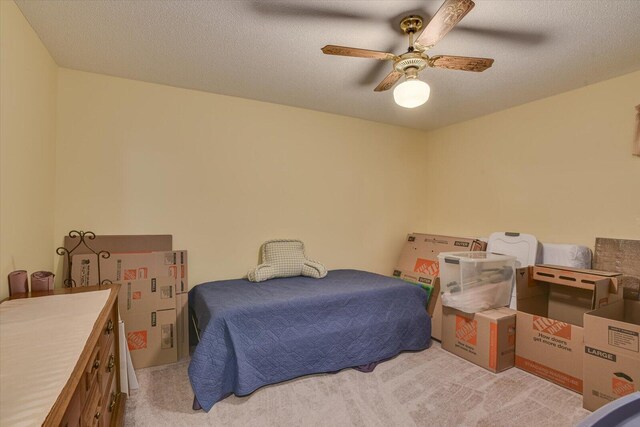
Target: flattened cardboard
612	353
428	283
621	256
122	244
549	333
132	266
436	320
487	338
419	255
420	251
182	313
146	295
151	338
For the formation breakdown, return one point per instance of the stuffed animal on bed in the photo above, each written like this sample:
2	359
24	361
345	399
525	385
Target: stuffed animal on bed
285	258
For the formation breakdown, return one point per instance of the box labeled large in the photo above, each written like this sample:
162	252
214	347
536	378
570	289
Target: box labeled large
419	255
611	353
486	338
151	338
146	295
549	326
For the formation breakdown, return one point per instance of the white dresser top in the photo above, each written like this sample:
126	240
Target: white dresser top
41	340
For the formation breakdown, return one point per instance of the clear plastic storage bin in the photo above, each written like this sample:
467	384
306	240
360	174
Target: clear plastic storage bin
476	281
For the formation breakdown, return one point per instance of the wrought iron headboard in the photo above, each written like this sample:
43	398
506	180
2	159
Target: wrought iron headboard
64	252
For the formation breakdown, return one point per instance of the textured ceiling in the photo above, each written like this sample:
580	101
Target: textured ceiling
270	51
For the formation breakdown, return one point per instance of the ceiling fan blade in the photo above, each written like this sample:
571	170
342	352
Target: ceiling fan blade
358	53
388	81
449	14
463	63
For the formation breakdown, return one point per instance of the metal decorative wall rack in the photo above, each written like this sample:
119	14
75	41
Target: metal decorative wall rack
83	236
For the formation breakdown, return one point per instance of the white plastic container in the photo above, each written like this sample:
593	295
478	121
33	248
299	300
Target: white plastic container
476	281
525	247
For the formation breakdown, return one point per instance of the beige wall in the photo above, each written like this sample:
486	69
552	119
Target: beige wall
224	174
560	168
27	147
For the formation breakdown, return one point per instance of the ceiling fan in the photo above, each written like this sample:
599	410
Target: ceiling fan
413	92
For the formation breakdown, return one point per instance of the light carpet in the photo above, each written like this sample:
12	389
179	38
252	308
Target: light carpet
428	388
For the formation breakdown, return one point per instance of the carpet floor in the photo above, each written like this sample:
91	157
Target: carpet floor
428	388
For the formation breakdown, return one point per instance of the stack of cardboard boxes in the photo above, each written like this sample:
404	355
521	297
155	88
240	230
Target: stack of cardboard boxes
418	264
581	328
577	328
487	338
153	300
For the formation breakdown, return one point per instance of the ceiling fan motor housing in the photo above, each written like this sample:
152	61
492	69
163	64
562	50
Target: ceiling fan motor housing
411	65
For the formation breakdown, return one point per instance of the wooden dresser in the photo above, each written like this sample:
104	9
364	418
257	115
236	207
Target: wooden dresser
91	395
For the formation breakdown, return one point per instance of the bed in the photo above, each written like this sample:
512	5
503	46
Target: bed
254	334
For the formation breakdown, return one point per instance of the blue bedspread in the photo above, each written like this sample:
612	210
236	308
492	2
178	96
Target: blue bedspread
254	334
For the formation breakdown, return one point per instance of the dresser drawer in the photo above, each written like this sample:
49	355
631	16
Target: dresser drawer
90	375
108	329
109	403
72	416
92	412
107	367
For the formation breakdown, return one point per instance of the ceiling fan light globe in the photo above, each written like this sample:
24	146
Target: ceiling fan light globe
411	93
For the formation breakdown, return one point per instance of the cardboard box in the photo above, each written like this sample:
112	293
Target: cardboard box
147	295
132	266
429	283
436	320
487	338
621	256
420	251
551	305
419	255
121	244
611	353
151	338
182	314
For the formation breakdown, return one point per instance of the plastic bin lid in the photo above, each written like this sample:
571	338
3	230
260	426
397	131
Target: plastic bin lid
524	247
475	256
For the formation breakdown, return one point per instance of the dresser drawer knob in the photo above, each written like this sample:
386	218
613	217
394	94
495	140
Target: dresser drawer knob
112	363
109	327
96	364
97	415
